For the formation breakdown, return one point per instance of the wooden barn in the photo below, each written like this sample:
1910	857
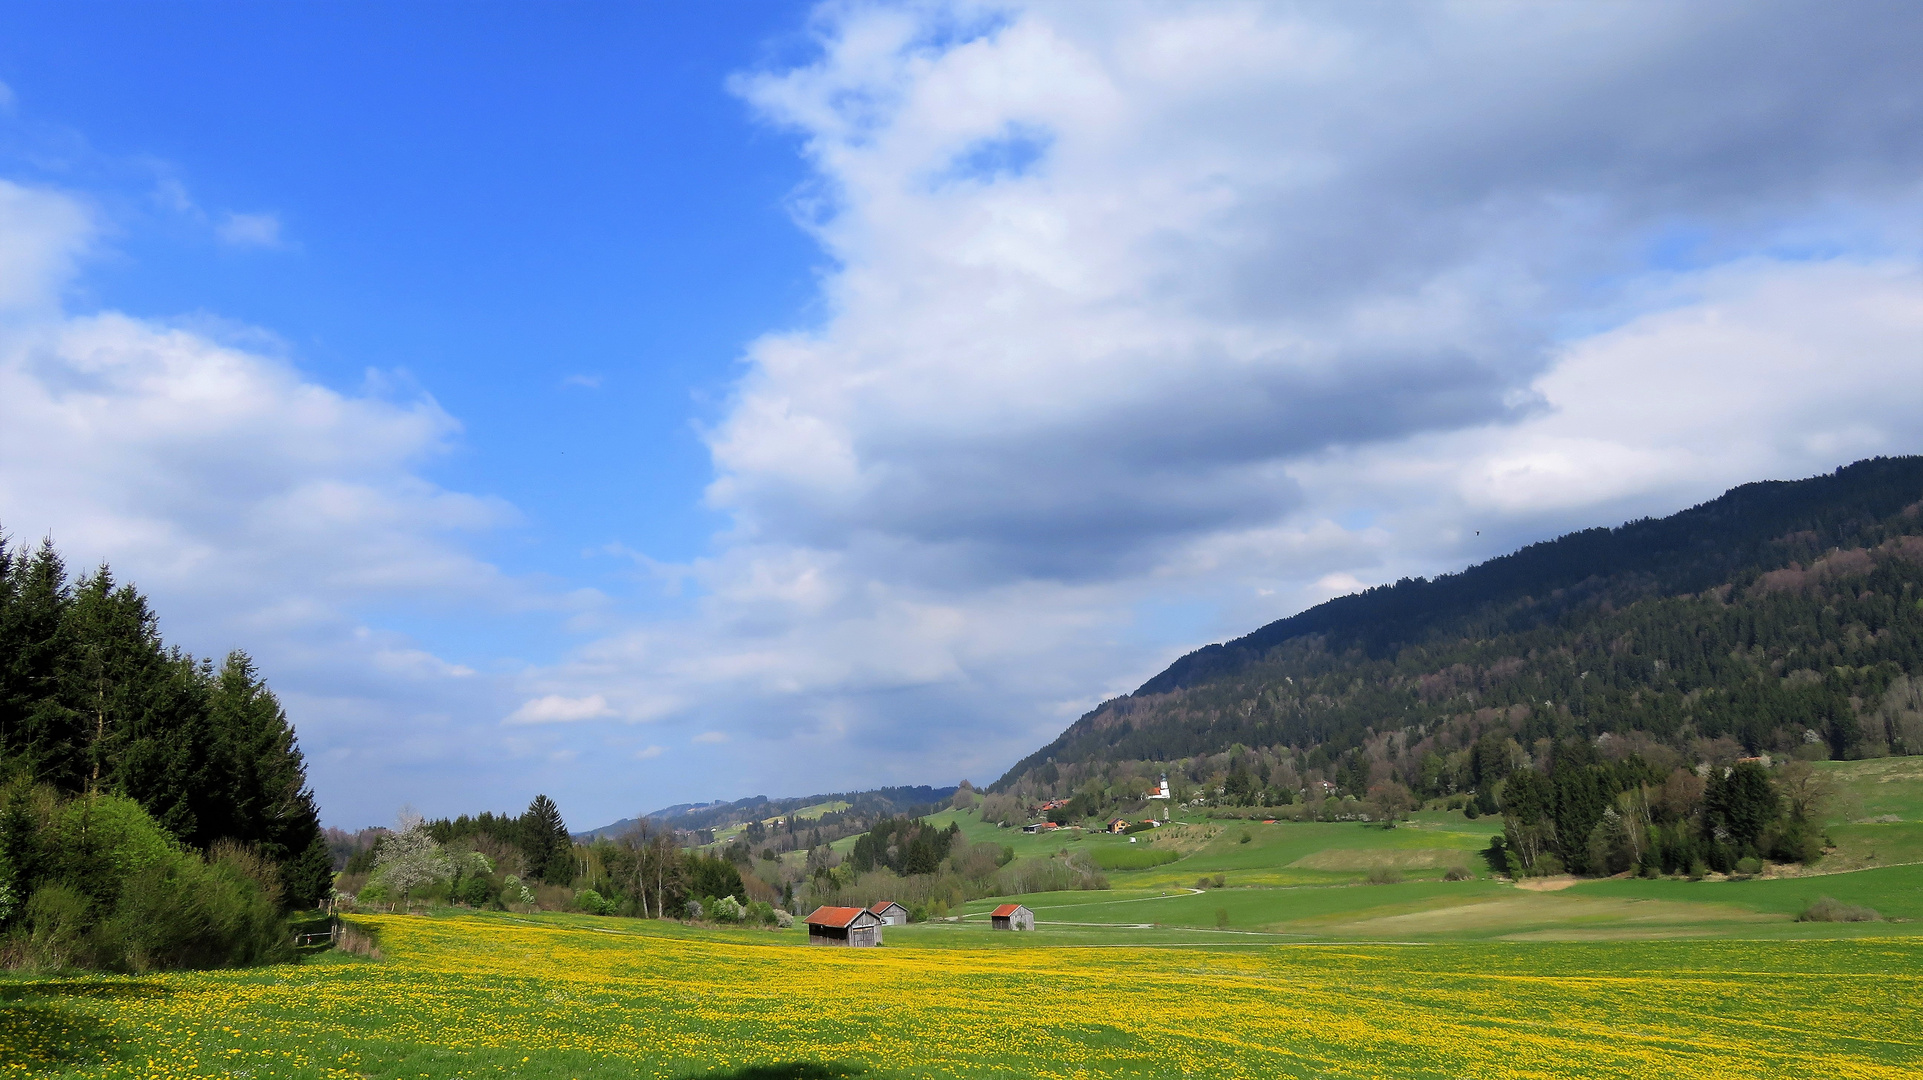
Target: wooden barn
1012	917
891	913
844	926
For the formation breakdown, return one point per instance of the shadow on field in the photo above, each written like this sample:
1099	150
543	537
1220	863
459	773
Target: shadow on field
81	988
790	1070
35	1037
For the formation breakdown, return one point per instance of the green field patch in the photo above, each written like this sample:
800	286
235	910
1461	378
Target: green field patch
1876	788
1384	858
1896	892
1134	857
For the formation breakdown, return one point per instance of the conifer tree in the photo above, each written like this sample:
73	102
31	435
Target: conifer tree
545	841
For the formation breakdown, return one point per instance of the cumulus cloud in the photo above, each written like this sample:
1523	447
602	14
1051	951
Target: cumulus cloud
1145	324
258	508
1150	323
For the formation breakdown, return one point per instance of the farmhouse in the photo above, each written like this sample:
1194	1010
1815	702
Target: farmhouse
891	913
1118	825
844	926
1012	917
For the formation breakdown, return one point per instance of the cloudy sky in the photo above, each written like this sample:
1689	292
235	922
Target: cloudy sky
644	404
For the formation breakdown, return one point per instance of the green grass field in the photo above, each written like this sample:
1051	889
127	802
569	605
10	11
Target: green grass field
1293	966
466	997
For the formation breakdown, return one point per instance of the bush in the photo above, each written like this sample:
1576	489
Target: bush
1245	837
1384	875
1458	873
1749	865
593	902
1830	910
475	892
110	889
727	909
1222	918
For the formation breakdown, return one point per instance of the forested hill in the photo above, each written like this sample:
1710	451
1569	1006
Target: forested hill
870	804
1779	609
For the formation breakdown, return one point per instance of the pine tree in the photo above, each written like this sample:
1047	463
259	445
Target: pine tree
265	782
545	842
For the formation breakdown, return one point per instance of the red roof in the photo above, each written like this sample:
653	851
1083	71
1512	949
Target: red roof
1004	911
836	916
883	906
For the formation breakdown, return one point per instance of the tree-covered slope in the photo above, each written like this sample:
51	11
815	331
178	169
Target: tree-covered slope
1779	613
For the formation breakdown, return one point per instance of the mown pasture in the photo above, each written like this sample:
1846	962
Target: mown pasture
475	996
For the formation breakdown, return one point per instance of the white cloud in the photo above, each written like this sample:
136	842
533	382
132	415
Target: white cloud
1146	324
249	230
45	232
557	709
258	509
1151	323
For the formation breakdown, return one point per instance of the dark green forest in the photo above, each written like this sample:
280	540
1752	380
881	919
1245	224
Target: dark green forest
192	765
1783	620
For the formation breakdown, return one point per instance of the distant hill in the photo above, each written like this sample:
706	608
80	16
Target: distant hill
1781	612
867	804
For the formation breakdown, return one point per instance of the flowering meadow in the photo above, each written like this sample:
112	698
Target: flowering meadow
498	996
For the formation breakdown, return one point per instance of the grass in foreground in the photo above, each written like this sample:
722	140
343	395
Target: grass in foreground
577	998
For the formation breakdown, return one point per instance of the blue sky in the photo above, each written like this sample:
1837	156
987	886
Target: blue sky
649	403
556	221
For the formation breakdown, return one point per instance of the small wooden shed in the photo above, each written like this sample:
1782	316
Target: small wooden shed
844	926
891	913
1012	917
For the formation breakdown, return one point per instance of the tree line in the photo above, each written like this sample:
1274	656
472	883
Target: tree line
145	791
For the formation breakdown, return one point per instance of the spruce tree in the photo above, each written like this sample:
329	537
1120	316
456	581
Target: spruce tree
545	842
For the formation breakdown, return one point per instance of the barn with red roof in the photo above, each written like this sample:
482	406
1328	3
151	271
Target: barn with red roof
1012	917
844	926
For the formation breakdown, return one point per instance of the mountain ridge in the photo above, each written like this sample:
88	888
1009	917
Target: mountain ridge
1748	531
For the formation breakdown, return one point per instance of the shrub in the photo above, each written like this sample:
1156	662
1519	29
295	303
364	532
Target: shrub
1827	909
475	892
1749	865
727	909
593	902
1222	917
1458	873
1245	837
110	889
1384	875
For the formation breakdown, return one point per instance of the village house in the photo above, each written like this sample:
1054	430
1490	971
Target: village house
844	926
1161	792
890	913
1012	917
1118	825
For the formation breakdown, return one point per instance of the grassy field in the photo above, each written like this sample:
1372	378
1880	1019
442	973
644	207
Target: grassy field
1223	949
572	998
